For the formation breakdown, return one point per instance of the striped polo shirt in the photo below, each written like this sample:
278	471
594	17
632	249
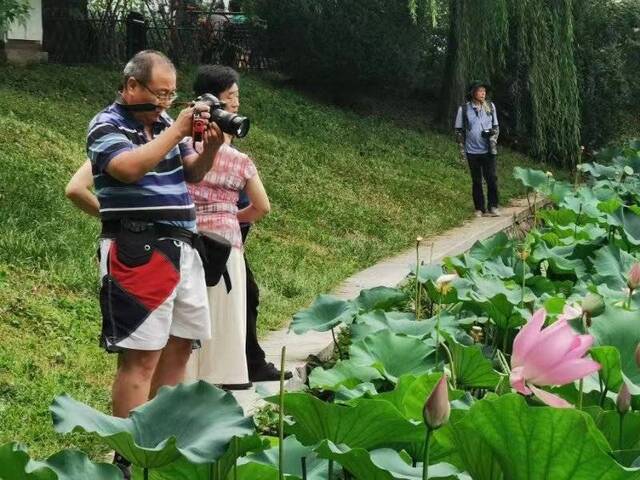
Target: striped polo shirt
161	195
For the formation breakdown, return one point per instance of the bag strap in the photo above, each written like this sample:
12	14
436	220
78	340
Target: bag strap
227	280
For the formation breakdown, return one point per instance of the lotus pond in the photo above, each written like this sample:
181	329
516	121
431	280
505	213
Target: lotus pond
517	360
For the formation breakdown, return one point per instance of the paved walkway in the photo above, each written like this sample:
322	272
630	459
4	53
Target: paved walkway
388	273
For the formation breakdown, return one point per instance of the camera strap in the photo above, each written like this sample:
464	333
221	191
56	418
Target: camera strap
137	107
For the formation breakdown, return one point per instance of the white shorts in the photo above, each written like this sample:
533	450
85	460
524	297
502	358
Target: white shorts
143	305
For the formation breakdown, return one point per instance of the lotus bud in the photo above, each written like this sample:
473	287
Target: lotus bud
437	408
623	402
592	305
633	279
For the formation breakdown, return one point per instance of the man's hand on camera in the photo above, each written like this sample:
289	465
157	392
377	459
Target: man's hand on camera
184	122
213	138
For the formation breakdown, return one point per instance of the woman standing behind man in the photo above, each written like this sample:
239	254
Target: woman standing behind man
222	359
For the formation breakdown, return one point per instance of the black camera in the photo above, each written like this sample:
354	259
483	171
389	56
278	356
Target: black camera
487	133
228	122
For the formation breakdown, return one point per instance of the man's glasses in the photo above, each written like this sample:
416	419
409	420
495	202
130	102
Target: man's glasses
164	97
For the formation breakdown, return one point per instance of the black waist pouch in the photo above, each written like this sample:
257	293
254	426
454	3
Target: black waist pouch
135	242
214	250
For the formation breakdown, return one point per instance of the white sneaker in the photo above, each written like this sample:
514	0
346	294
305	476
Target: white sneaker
493	212
478	213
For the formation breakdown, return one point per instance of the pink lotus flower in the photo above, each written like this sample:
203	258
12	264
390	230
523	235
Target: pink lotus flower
437	407
549	356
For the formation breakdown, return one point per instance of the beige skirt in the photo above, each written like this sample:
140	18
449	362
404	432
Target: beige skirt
222	360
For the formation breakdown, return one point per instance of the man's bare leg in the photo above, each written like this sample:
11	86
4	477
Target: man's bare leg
172	365
132	384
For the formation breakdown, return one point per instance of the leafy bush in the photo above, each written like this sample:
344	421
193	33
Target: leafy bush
347	42
608	59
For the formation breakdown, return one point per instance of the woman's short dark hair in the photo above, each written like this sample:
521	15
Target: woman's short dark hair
214	79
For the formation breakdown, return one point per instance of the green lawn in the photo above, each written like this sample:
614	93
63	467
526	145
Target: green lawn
347	189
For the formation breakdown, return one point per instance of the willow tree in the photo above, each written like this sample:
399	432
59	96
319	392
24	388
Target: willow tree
525	49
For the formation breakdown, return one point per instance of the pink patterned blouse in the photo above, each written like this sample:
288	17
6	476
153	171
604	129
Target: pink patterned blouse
217	194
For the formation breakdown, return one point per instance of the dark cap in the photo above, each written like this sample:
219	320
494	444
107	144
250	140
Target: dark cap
476	84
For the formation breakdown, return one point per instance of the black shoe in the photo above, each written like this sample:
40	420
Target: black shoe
236	386
267	372
123	464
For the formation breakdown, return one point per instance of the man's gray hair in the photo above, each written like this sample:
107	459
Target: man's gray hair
141	65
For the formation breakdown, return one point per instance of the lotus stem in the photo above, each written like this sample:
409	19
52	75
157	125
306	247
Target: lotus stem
145	473
330	472
437	336
218	471
417	279
535	214
211	473
425	465
505	341
620	433
235	458
452	366
581	388
503	362
281	415
335	342
575	229
303	460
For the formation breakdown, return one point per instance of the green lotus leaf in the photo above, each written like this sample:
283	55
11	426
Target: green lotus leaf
612	266
597	170
266	463
397	322
196	421
369	424
458	444
558	217
345	373
558	258
497	268
382	464
609	424
611	372
15	464
618	328
347	395
472	368
491	248
392	354
541	443
379	298
534	179
410	393
558	190
325	313
427	272
182	469
584	203
630	222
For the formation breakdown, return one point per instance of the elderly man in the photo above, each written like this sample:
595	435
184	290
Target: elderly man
153	293
477	134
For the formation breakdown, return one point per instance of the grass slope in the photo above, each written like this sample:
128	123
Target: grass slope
347	190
